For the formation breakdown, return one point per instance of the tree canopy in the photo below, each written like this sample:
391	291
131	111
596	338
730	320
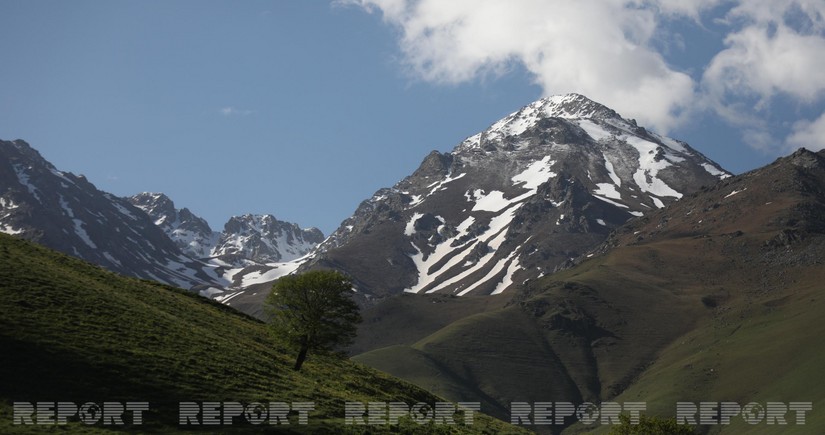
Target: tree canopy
314	311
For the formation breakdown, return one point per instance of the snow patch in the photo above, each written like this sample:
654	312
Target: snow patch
24	179
536	174
712	170
439	185
9	230
649	167
278	270
8	204
493	201
410	228
416	199
610	201
735	192
593	130
608	190
612	173
210	292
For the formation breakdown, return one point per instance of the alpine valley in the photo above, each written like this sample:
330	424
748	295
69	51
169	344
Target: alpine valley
564	254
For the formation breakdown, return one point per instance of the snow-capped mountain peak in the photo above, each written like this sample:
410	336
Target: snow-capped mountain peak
190	233
569	106
522	198
245	239
266	239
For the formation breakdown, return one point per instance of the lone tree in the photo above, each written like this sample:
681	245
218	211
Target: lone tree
314	310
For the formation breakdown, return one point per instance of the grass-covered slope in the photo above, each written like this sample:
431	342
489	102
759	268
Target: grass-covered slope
718	297
70	331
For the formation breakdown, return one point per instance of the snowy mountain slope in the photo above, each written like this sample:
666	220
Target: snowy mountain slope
255	250
143	236
65	212
190	233
245	240
514	202
251	250
263	238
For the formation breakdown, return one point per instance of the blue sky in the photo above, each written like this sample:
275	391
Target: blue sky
304	108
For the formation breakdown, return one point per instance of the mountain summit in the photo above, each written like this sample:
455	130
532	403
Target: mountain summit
190	233
514	202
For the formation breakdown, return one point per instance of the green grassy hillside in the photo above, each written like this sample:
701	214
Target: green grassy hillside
70	331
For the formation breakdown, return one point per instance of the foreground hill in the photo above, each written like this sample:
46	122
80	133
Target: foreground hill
73	332
717	297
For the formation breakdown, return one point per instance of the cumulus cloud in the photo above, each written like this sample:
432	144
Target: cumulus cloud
776	48
600	49
779	50
612	51
808	134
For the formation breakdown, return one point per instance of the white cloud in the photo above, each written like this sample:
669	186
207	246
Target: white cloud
600	49
776	48
232	111
807	134
780	50
612	51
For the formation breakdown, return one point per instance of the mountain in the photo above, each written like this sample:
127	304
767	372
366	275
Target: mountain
264	239
245	239
144	236
716	297
249	254
191	233
66	212
515	202
73	332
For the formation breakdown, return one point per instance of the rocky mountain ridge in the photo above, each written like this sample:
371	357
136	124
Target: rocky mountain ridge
246	239
67	213
144	236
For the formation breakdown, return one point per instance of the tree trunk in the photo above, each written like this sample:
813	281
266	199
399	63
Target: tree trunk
302	355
